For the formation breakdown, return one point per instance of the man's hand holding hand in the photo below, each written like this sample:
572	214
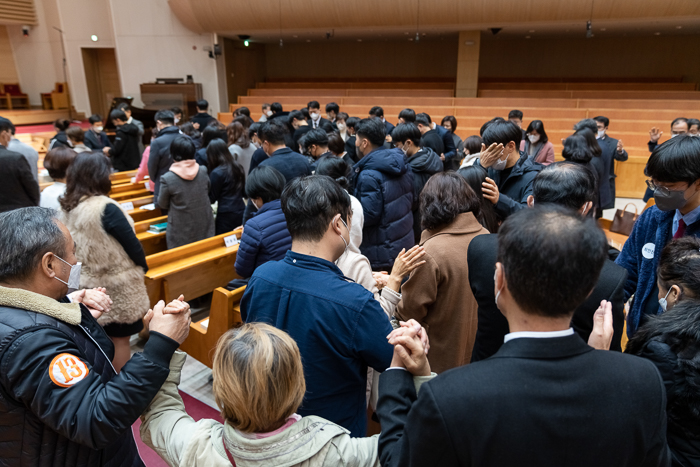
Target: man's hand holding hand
409	348
175	326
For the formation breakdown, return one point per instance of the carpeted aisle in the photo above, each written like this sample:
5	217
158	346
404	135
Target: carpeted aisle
196	409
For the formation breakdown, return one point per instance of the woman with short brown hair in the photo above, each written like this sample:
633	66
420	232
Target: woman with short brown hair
437	294
259	385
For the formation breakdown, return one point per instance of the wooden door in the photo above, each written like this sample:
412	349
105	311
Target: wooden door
102	76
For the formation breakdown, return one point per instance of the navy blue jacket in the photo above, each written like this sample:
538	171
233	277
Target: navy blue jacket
517	186
291	164
96	141
384	187
451	159
640	256
265	238
338	325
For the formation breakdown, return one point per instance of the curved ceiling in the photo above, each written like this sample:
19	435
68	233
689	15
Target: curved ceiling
355	18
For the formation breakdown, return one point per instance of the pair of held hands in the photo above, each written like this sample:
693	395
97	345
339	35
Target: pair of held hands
172	320
405	263
411	342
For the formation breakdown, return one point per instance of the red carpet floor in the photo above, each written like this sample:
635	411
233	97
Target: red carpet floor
196	409
46	128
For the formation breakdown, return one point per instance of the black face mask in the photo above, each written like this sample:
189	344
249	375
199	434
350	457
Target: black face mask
670	202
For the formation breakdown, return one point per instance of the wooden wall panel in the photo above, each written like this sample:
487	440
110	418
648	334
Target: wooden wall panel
243	16
8	70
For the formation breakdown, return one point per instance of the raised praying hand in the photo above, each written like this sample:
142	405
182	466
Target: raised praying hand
602	333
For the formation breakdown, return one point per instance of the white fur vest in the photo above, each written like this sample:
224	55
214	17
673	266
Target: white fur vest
105	263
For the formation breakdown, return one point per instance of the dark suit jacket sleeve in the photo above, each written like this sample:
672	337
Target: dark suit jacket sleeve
413	429
119	145
31	187
449	143
153	160
658	454
492	325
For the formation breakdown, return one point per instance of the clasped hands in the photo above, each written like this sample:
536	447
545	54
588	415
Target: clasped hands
172	320
411	347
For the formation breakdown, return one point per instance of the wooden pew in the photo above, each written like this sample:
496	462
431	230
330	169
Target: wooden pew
192	270
138	214
152	243
127	191
204	334
122	177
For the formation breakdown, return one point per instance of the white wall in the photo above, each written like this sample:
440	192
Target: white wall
38	57
152	43
80	20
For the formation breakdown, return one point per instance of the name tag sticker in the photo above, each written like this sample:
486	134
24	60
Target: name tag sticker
230	241
127	206
648	250
66	370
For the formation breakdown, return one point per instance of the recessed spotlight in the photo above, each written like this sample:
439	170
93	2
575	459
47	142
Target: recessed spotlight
679	27
527	37
308	40
295	36
359	40
532	30
406	33
410	38
603	29
93	38
657	33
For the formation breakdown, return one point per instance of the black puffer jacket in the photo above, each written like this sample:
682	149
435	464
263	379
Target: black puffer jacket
424	164
672	342
126	154
61	402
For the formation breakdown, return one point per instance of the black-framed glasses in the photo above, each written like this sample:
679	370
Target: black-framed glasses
662	190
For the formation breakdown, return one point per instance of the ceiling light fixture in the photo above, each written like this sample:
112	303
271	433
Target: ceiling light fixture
93	38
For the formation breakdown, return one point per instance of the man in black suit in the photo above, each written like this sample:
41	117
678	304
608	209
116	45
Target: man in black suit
377	111
202	119
546	398
613	150
565	184
159	159
315	119
429	138
18	188
291	164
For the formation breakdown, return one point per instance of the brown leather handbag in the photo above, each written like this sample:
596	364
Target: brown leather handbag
624	220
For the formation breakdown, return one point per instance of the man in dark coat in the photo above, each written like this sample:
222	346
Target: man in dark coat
546	398
613	150
202	119
430	138
18	188
511	171
95	137
378	112
61	401
159	159
384	187
565	184
424	164
125	154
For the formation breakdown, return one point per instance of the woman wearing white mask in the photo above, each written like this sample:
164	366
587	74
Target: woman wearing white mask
340	120
537	145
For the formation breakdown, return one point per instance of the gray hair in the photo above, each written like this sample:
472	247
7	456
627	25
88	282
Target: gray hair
27	235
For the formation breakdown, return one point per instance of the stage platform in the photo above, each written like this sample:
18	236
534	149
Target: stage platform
33	117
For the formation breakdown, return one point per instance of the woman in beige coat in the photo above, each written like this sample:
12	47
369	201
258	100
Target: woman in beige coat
107	247
437	294
259	385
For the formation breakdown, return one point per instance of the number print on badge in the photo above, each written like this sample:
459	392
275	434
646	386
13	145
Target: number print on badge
66	370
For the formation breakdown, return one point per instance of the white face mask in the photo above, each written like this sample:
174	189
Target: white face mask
663	302
176	120
98	129
533	138
315	116
501	164
269	113
341	127
601	133
74	278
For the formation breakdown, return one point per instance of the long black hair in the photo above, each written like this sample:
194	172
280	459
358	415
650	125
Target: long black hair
476	175
218	154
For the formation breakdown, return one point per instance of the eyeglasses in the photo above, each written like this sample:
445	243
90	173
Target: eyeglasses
662	190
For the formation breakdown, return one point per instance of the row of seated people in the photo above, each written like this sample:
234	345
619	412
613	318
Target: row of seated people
547	262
